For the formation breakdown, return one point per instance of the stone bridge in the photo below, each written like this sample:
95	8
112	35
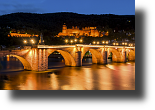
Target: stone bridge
36	58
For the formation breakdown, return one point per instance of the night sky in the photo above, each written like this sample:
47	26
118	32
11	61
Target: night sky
118	7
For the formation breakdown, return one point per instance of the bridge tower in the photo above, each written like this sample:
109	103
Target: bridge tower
41	41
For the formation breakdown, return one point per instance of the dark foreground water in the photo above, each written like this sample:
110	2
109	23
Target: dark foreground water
113	76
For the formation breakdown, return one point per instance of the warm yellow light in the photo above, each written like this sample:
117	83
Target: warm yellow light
80	40
71	41
106	42
25	41
113	43
103	42
116	43
98	42
66	40
123	43
94	42
75	40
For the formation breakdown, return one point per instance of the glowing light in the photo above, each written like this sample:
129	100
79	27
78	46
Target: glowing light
66	41
106	42
80	40
123	43
98	42
94	42
32	41
113	43
103	42
75	40
116	43
25	41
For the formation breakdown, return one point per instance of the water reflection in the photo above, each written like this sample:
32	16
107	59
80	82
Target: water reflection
114	76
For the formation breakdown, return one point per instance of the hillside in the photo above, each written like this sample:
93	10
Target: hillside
50	24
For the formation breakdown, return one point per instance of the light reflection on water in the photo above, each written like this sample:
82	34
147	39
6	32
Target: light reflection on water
113	76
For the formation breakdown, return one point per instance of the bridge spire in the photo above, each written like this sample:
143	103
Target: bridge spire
41	41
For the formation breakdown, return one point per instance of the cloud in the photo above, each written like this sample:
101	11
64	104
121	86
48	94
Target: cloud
12	6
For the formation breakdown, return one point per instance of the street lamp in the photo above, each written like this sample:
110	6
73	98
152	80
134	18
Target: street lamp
94	42
106	42
66	41
80	40
32	41
75	41
71	42
25	42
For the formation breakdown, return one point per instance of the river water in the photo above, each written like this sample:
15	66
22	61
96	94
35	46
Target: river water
113	76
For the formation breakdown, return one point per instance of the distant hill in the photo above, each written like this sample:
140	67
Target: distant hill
54	21
51	23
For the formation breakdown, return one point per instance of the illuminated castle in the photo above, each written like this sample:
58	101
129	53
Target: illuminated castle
75	31
21	35
14	33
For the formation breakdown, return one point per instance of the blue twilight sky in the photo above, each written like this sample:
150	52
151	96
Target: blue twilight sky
119	7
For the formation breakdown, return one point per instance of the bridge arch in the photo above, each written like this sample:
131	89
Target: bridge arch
25	63
115	54
69	60
131	55
96	55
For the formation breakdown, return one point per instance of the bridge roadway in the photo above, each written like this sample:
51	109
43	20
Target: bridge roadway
36	57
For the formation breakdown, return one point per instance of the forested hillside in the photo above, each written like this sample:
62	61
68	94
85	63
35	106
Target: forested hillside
50	24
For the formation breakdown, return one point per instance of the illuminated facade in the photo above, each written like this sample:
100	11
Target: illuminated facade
75	31
20	35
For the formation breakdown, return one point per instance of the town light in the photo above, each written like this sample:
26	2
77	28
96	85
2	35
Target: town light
32	41
71	42
81	40
123	43
106	42
25	41
94	42
66	41
75	40
103	42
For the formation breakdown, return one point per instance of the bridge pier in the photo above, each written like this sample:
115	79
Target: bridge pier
104	57
123	58
43	60
78	59
38	59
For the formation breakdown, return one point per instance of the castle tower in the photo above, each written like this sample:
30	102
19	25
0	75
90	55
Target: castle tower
64	28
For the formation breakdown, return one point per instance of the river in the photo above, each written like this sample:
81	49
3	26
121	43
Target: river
113	76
